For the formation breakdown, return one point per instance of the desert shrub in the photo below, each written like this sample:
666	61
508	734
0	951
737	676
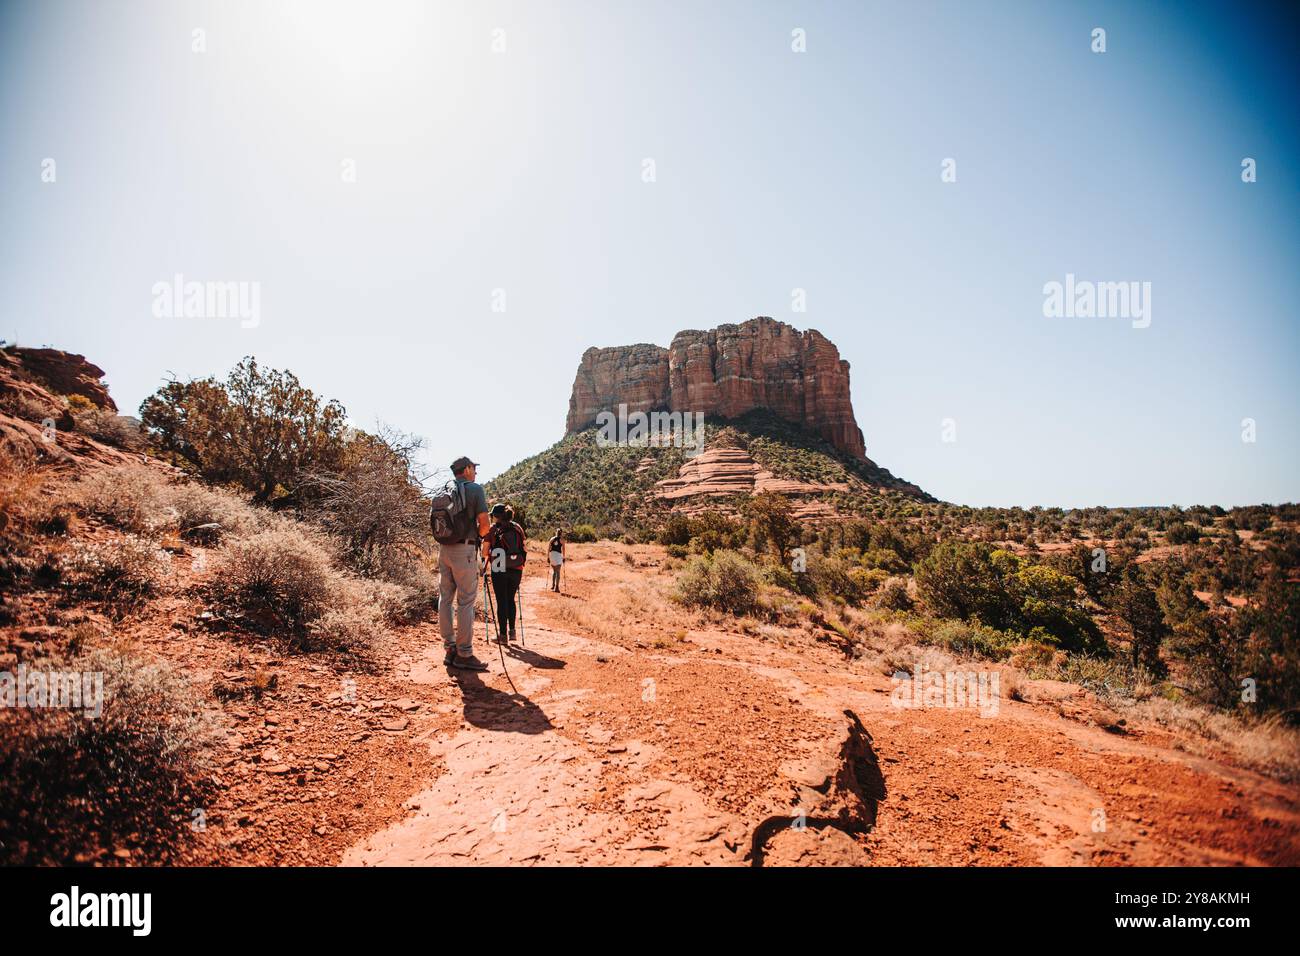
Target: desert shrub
408	591
70	783
581	533
979	640
1108	677
350	627
1135	603
284	581
724	581
783	576
1183	533
771	517
872	578
134	499
833	576
197	509
1267	638
884	559
711	530
139	500
393	601
373	503
675	531
108	427
1219	650
24	406
1035	660
960	579
973	581
25	502
677	550
893	596
276	579
125	569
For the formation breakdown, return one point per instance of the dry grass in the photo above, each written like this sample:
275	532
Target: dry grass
133	499
69	782
198	509
24	406
277	578
270	573
109	428
27	504
591	620
285	581
139	500
122	570
616	613
1267	745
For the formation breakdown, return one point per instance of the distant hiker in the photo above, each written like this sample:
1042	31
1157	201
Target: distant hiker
459	520
505	541
555	553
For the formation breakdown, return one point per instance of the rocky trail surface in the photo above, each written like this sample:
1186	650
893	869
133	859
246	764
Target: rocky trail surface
719	749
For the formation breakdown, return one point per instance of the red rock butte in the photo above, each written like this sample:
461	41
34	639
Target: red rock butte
725	372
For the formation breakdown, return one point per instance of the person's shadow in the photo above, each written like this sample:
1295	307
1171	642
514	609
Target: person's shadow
518	652
494	709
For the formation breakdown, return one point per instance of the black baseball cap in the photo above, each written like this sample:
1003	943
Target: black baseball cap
461	463
498	509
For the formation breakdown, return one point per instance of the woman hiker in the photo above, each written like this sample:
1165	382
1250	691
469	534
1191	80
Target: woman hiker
555	552
506	545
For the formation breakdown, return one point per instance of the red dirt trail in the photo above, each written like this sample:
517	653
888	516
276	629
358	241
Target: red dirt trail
615	751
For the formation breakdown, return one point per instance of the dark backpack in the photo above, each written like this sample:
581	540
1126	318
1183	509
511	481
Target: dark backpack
449	517
509	538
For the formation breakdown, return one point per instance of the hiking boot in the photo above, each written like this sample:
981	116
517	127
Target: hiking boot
512	630
470	663
449	657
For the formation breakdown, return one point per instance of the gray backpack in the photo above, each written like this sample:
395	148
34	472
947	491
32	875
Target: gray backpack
449	517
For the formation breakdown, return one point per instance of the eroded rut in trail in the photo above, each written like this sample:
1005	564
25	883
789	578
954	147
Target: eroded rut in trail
842	792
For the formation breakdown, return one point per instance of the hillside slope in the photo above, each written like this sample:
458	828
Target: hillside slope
577	481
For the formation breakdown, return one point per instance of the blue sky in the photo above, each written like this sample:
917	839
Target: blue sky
521	170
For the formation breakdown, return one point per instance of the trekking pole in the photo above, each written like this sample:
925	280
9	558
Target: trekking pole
487	594
486	599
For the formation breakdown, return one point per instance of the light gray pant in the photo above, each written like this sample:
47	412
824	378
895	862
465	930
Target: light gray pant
458	581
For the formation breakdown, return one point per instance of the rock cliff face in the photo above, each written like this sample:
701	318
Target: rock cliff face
63	373
35	421
725	372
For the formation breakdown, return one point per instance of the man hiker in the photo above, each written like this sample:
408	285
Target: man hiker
555	552
505	541
459	520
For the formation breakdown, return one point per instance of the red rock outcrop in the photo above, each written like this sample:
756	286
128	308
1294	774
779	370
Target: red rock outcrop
62	373
35	422
725	372
724	471
636	375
